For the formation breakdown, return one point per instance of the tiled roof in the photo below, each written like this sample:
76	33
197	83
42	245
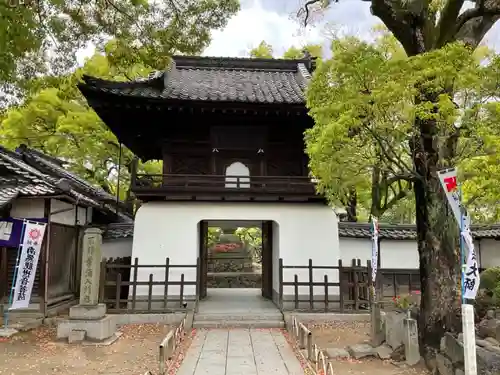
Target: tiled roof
210	79
362	230
349	230
55	167
21	174
18	178
119	231
405	232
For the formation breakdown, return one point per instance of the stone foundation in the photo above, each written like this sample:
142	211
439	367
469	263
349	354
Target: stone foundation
234	280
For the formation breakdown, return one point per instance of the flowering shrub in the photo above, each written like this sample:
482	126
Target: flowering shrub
408	301
225	247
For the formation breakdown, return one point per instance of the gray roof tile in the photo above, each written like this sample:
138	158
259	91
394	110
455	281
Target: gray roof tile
119	231
19	178
405	232
212	79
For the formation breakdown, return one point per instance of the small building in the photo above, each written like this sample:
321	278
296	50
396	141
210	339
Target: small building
38	187
230	134
398	245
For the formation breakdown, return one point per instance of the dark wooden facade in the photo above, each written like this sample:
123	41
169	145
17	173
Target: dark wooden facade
202	115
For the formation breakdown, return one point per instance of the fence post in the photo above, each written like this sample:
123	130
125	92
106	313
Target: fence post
102	281
181	291
356	287
296	290
150	291
341	286
311	281
167	275
118	290
326	293
280	271
134	282
370	288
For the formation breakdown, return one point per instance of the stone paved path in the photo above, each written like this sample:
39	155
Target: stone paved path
240	352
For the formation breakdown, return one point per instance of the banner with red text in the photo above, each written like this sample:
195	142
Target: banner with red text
27	265
449	183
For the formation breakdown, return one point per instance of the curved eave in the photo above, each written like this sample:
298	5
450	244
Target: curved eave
111	98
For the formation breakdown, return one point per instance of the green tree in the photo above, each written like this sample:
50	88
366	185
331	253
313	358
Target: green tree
371	113
40	38
316	50
57	120
422	27
262	51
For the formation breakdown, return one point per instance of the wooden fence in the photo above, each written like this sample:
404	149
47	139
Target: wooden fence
120	281
351	293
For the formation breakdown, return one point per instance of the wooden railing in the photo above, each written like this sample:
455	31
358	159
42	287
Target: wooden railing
350	293
119	291
216	183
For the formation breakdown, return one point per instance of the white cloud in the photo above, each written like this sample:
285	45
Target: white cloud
271	20
254	24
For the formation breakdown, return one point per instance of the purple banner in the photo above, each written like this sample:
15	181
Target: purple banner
10	231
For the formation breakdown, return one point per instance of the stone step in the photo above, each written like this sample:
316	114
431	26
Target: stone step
237	317
239	324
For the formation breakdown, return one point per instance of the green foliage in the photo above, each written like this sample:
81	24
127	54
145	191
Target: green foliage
316	50
213	235
42	38
57	120
490	278
489	291
253	238
262	51
364	103
265	51
54	117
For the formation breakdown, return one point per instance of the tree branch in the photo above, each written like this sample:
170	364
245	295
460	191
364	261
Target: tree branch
445	28
405	25
473	24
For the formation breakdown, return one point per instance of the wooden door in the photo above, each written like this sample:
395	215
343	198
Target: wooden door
203	256
267	259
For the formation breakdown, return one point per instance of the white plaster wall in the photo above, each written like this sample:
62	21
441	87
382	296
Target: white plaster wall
170	229
355	248
393	253
117	248
399	254
489	252
34	207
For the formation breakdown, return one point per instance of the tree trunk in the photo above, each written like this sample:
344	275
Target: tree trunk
352	205
437	236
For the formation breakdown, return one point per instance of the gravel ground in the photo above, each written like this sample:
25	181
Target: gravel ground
342	334
38	352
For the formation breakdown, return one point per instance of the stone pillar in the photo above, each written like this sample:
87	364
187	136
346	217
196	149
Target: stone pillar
88	320
412	350
91	261
377	329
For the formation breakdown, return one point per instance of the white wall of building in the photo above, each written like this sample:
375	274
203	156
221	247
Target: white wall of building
489	252
170	229
34	207
403	254
117	248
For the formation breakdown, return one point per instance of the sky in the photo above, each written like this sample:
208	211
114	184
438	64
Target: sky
273	21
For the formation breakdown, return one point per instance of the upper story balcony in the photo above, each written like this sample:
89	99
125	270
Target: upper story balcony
223	187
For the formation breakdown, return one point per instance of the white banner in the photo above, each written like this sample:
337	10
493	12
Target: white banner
30	252
448	180
375	233
471	273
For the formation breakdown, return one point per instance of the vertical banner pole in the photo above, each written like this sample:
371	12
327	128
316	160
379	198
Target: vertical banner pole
14	278
462	247
468	265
